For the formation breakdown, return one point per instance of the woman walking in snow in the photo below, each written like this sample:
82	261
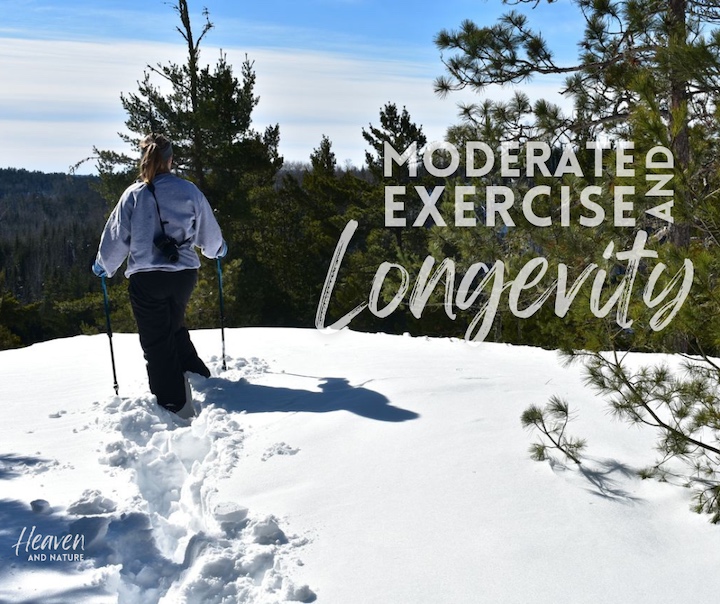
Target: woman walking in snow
156	225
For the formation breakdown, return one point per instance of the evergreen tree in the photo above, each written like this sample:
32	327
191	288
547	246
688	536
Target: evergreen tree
299	232
374	243
637	56
646	72
397	129
206	111
681	405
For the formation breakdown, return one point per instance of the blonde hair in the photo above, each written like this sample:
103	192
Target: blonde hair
156	153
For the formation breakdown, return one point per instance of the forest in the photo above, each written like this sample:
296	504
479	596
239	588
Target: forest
539	248
48	234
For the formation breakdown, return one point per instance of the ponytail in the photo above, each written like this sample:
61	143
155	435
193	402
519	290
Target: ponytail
156	152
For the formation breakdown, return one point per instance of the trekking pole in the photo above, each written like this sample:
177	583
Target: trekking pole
222	312
109	333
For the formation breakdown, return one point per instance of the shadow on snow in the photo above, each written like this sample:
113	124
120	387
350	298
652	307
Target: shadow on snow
604	476
336	394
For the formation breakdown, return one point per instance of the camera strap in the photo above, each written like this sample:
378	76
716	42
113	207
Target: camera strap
151	188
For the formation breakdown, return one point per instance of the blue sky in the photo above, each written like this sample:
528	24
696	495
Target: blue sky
324	67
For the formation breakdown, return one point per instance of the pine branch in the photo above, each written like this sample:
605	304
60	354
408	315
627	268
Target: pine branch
552	422
639	399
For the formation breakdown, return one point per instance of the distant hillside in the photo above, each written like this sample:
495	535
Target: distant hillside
49	230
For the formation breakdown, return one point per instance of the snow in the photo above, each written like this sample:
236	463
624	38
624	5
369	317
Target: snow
342	468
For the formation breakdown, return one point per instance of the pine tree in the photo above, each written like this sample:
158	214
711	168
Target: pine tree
374	243
682	405
299	231
646	72
397	129
208	116
636	55
206	111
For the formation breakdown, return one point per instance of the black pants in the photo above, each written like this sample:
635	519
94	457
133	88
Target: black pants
159	300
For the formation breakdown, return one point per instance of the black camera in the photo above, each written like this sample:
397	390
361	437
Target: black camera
168	246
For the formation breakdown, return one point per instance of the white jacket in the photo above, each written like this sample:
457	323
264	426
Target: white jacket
134	225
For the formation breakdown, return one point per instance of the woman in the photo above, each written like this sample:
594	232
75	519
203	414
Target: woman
156	225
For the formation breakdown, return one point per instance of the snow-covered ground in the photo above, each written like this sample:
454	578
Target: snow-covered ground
340	468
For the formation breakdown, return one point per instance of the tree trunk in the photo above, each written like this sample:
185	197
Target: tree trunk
193	52
677	39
